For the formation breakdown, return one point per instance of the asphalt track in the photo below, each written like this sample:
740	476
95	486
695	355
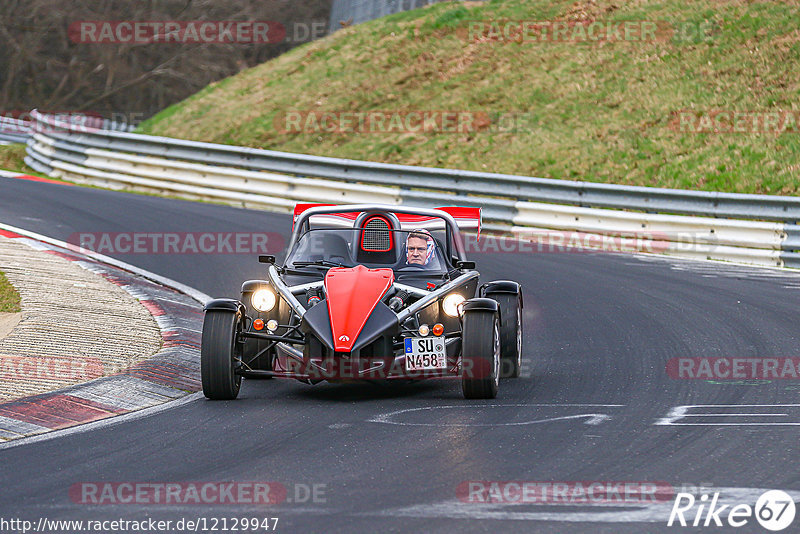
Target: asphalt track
599	329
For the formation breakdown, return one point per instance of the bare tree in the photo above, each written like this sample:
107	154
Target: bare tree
44	66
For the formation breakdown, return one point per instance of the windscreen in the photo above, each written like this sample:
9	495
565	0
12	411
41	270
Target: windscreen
401	250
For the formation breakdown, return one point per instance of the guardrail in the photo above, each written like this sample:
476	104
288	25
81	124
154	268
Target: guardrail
734	227
358	11
14	130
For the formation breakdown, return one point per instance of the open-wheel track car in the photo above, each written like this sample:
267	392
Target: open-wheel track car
368	292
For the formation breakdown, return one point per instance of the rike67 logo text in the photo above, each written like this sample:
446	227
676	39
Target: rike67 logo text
774	510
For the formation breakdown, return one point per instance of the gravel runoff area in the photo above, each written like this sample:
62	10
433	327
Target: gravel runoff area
75	325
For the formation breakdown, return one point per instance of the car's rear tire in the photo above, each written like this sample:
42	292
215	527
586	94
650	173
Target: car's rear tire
480	355
218	352
510	333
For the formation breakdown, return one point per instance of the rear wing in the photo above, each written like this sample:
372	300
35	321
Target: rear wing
466	218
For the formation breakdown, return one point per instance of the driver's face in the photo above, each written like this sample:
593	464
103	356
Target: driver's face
417	250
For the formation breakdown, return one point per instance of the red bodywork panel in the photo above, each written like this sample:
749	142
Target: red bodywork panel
352	295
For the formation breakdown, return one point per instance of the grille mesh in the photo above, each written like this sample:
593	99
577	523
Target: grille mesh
377	236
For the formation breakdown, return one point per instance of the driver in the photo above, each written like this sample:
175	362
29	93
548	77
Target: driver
420	249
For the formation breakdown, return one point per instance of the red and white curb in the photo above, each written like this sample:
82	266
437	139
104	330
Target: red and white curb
170	374
21	176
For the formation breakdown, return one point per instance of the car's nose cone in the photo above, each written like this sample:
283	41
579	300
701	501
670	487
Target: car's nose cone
351	296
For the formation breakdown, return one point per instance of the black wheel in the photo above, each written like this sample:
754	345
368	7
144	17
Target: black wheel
510	333
480	355
218	352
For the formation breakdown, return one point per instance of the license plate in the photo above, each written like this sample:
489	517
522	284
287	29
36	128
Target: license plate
423	353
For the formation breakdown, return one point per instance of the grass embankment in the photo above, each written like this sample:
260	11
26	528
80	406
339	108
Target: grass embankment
9	298
599	111
12	158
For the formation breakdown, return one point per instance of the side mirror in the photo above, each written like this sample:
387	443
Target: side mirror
266	258
465	264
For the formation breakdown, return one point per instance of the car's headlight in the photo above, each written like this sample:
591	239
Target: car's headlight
451	304
264	299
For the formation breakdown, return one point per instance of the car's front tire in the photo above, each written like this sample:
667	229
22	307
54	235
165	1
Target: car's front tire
218	353
480	356
510	333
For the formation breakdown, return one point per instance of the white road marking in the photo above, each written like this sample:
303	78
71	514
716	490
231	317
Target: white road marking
592	418
679	413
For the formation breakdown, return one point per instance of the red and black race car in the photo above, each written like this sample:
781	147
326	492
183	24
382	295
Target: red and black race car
368	292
